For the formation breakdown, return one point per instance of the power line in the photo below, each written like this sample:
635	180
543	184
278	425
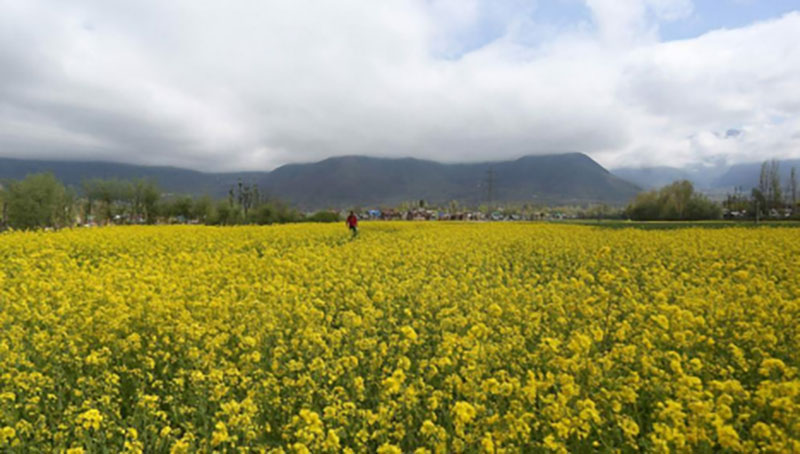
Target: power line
490	186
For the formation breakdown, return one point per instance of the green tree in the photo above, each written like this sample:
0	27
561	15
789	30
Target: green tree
150	196
39	201
106	197
324	216
136	199
3	207
226	213
144	196
203	209
264	215
759	202
674	202
181	207
453	207
645	206
272	211
597	211
678	197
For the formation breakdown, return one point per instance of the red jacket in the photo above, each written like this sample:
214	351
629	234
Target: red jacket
352	220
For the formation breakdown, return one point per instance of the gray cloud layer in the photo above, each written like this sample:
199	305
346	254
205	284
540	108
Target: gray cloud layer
251	85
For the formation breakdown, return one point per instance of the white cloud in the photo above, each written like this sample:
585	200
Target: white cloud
621	22
671	9
247	84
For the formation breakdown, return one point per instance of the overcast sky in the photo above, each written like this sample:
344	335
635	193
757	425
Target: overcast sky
253	84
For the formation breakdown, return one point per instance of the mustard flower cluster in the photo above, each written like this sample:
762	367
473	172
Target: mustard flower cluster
412	338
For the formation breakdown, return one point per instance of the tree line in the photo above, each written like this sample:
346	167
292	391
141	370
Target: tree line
770	199
42	201
675	202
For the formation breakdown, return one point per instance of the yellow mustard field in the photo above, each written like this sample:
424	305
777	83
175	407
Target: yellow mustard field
411	338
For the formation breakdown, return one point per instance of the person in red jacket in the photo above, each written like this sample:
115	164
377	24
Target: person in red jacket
352	224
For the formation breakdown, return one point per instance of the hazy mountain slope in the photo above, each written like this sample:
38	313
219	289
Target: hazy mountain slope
564	178
358	180
366	181
652	177
746	175
72	173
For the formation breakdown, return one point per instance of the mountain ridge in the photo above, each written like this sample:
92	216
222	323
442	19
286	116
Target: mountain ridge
709	178
356	180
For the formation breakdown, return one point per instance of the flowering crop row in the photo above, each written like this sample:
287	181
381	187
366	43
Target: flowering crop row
423	338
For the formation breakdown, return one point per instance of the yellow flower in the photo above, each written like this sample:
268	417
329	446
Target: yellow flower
394	384
90	419
300	448
487	444
332	441
463	412
409	333
727	437
387	448
220	434
629	427
439	337
6	434
180	447
761	431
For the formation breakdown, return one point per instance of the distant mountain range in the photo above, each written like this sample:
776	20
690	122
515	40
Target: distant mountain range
714	178
342	182
348	181
746	175
656	177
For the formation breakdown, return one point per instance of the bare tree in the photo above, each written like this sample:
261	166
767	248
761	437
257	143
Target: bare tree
776	198
761	194
763	179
